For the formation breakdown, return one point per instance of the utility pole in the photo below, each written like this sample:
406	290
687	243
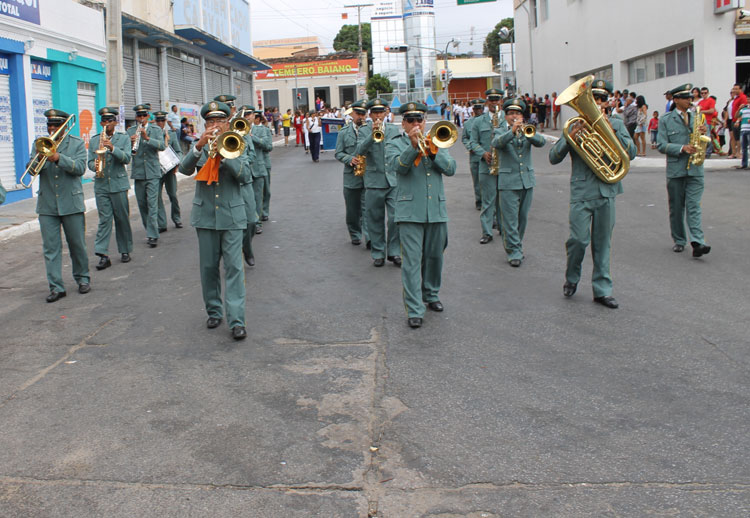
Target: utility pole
115	76
359	8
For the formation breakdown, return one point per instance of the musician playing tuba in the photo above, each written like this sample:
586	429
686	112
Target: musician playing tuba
111	189
60	204
354	187
515	179
684	180
592	200
168	181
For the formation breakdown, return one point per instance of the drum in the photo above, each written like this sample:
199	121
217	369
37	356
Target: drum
168	160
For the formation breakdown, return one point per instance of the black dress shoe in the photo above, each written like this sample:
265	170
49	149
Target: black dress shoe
151	242
478	205
104	262
213	322
258	229
396	260
379	262
162	230
610	302
485	239
515	263
356	242
125	258
177	224
54	296
264	218
569	289
435	306
239	332
414	322
678	248
84	287
699	249
250	260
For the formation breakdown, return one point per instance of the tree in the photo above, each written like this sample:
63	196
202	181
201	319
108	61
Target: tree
348	39
378	83
493	40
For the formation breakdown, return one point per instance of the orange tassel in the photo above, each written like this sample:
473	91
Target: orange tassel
209	173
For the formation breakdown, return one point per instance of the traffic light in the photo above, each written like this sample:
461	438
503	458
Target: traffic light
299	95
396	48
450	74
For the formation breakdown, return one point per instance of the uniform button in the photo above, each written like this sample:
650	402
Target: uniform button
217	206
428	174
217	195
430	197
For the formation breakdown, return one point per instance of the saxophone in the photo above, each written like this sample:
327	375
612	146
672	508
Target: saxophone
697	140
101	157
359	169
495	161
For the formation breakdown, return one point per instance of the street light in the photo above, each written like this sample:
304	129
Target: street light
505	33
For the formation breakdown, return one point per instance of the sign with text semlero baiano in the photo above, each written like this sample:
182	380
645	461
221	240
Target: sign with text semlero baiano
311	68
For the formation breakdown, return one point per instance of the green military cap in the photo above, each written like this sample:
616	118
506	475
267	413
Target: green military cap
494	94
477	102
226	98
215	109
515	103
682	91
417	108
160	116
109	112
359	106
142	109
248	108
377	104
601	87
55	116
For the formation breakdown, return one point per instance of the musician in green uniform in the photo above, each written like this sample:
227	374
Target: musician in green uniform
380	187
248	193
515	179
592	207
146	141
480	143
60	204
111	188
169	178
263	142
684	183
354	187
219	218
421	212
474	158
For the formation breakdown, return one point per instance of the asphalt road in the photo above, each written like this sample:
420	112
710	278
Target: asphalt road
513	402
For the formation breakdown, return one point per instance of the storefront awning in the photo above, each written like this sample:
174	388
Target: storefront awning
210	43
151	34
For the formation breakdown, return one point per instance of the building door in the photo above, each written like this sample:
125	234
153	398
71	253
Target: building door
41	100
8	163
347	94
270	99
324	93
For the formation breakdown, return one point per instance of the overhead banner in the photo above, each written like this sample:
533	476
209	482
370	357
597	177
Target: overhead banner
312	68
26	10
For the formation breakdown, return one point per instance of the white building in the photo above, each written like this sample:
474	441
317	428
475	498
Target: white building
644	46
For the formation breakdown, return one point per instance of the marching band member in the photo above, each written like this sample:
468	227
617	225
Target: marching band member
380	187
354	187
111	188
515	179
263	142
248	192
219	218
146	141
684	183
592	208
474	158
421	212
168	180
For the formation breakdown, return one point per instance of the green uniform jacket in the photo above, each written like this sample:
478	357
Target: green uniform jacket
60	187
115	176
219	206
516	169
263	143
480	137
346	147
146	159
377	176
466	140
250	156
673	134
584	184
420	197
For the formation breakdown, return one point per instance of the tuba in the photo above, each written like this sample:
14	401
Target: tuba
45	147
596	143
697	140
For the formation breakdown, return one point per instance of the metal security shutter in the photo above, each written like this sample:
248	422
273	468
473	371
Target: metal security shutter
224	83
244	91
41	98
128	91
150	89
213	83
8	163
176	76
193	88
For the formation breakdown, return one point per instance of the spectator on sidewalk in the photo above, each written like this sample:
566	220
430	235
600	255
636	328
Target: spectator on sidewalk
640	125
630	114
286	123
743	122
653	128
739	99
708	109
313	129
173	119
298	135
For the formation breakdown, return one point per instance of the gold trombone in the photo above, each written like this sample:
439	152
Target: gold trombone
442	135
46	147
229	144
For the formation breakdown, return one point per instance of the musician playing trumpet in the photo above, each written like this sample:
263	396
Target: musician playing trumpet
111	188
515	179
168	180
354	187
592	206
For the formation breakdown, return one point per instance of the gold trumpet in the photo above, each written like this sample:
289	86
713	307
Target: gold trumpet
378	135
240	125
229	144
442	135
527	130
46	147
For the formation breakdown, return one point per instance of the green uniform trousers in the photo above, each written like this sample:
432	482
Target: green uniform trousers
168	182
248	194
74	226
490	203
514	206
259	183
113	206
474	168
422	247
215	245
377	203
267	194
591	221
685	200
147	196
354	200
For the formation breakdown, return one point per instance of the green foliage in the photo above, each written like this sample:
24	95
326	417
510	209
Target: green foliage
493	40
378	83
348	39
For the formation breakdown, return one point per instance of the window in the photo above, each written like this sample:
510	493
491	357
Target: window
679	60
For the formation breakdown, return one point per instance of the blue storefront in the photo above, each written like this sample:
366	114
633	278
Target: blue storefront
14	138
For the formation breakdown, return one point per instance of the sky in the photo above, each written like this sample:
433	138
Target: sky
274	19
